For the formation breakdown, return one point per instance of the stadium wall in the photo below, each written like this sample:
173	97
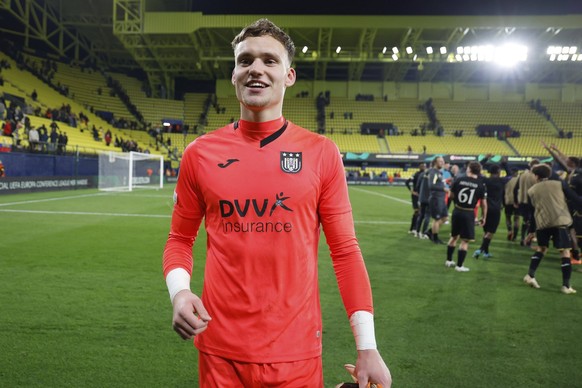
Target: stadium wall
41	165
421	91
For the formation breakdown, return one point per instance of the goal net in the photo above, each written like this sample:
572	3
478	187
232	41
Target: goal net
126	171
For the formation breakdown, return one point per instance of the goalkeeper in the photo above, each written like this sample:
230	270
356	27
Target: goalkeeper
264	186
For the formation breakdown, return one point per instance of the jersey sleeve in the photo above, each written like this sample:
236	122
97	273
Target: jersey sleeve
338	225
186	217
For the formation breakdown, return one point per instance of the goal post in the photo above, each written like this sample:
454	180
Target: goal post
126	171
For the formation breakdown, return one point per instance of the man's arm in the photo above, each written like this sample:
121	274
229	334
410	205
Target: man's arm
516	194
483	211
409	184
572	196
433	181
189	314
557	155
350	270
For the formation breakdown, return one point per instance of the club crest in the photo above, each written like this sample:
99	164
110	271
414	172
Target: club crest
291	162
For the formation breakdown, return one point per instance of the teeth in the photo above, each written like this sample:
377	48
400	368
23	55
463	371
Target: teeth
256	85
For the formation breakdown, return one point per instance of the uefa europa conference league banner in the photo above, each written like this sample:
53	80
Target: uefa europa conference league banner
418	158
29	184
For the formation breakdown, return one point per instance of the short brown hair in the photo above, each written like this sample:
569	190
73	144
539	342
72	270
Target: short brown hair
542	171
475	168
264	27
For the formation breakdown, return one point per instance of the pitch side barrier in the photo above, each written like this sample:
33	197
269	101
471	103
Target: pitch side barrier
15	185
411	161
377	182
389	160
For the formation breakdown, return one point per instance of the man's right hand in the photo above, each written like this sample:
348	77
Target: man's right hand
190	317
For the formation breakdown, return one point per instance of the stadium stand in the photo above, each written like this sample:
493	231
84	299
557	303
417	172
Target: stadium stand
467	115
567	116
88	90
402	113
448	144
48	98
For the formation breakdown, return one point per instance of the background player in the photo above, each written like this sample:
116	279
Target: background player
495	186
550	221
467	190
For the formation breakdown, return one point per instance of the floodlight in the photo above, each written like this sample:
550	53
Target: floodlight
395	50
429	50
338	49
384	50
409	50
443	50
508	55
460	50
573	50
395	57
304	49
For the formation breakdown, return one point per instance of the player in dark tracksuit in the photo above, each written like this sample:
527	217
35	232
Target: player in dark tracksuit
575	183
436	201
466	191
411	184
423	220
573	166
495	185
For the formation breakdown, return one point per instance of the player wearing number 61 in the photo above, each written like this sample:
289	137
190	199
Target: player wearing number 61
466	193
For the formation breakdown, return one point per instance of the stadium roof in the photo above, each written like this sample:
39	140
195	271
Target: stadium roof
169	39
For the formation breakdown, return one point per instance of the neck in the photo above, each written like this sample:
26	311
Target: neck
260	116
260	130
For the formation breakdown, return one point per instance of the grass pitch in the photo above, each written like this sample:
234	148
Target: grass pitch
83	302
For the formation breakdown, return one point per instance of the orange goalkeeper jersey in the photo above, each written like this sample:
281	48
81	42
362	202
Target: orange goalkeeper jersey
263	190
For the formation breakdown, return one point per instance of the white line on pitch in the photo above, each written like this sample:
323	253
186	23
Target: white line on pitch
50	199
381	195
85	213
152	215
383	222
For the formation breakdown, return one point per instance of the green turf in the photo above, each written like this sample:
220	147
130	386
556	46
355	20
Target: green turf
83	302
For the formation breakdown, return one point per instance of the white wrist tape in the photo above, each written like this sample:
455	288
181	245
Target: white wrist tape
177	280
362	323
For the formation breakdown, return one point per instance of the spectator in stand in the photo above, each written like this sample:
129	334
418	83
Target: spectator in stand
108	137
2	109
54	137
63	140
33	139
43	135
2	170
34	95
7	128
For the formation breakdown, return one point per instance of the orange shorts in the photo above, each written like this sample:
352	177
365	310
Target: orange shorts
218	372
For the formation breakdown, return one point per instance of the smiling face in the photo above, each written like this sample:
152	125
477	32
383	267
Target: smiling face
261	75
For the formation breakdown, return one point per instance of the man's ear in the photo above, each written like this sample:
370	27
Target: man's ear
291	77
